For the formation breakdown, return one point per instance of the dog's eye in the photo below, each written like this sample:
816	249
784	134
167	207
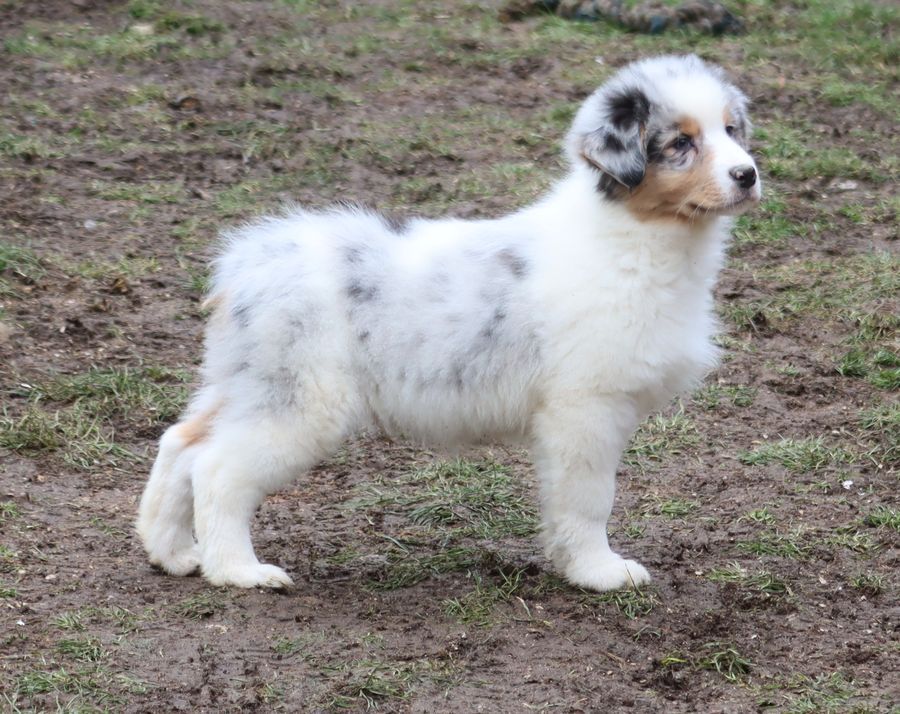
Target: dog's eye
731	130
682	142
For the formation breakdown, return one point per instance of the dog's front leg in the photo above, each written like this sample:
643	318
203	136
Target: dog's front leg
577	446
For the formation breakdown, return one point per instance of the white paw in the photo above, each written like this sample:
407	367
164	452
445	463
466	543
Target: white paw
251	576
607	572
183	562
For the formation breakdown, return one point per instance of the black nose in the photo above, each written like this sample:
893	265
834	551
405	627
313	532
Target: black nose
744	175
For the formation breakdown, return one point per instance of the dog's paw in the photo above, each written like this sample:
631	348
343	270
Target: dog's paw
610	572
253	576
183	562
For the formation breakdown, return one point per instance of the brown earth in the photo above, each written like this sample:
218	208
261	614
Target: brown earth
119	285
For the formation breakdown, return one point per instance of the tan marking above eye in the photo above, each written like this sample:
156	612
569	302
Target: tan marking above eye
689	126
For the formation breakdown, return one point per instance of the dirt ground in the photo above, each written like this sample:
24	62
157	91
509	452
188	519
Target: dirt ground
765	505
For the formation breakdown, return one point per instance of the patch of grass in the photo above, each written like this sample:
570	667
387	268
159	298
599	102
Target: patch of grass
632	603
853	290
445	506
761	581
9	510
726	660
372	682
83	649
32	431
69	621
107	529
714	395
147	192
157	393
823	694
479	606
660	437
760	515
77	46
81	438
18	265
797	455
306	645
9	559
201	606
768	225
881	367
883	517
854	539
782	545
869	584
841	92
23	146
795	153
406	568
133	267
479	499
673	508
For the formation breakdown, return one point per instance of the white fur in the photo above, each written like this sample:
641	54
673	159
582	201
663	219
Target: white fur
562	325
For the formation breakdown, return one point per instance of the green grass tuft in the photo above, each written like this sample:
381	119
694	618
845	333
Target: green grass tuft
201	606
726	660
883	517
478	499
774	543
869	584
478	607
83	649
761	581
661	437
797	455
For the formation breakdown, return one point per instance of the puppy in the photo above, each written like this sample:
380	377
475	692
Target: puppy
562	325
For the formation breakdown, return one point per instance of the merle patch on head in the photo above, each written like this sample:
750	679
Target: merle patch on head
627	108
612	143
516	264
655	147
358	292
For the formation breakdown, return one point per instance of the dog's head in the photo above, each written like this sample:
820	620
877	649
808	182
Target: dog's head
668	137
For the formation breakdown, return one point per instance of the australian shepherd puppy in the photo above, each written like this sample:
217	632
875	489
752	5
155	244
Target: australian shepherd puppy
562	325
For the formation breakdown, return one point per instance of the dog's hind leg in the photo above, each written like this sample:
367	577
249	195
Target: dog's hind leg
166	508
241	464
577	448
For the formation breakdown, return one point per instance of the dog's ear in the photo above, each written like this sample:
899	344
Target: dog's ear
617	147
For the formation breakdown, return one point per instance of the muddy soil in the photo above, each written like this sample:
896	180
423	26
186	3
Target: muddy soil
133	132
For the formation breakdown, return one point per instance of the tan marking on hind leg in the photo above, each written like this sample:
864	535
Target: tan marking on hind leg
198	427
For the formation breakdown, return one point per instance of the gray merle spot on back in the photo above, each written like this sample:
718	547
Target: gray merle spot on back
492	325
360	293
353	255
515	263
241	314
